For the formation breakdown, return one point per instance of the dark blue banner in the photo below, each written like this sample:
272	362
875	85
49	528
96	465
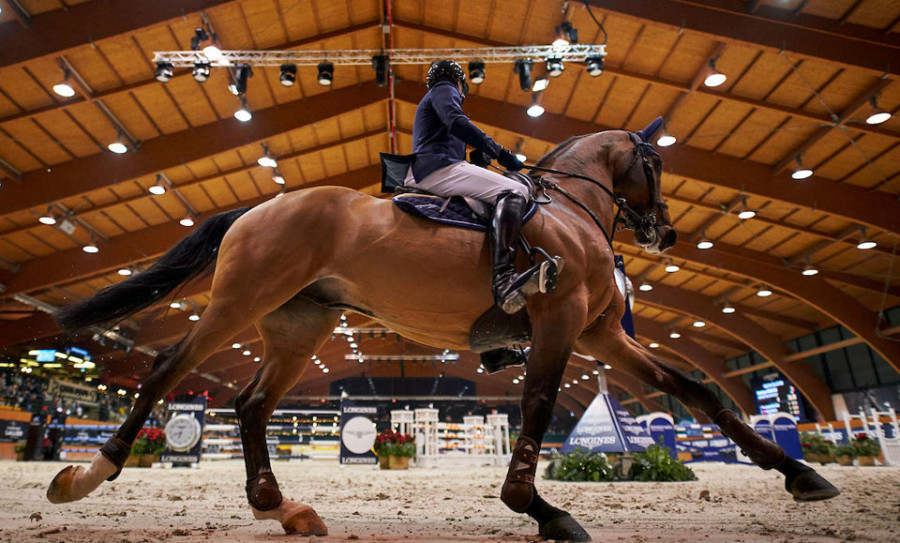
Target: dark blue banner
608	428
358	433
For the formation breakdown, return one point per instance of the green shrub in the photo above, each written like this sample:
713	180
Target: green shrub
579	466
655	464
814	442
845	450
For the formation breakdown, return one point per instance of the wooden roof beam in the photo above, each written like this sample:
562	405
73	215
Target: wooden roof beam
81	24
156	155
768	28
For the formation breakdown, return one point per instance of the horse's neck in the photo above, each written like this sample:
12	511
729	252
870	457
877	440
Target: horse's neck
592	196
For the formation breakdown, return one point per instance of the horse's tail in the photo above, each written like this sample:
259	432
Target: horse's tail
185	261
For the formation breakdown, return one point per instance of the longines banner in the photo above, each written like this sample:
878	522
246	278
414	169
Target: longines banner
358	433
13	431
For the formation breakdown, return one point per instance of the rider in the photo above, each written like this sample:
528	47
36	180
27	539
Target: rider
440	133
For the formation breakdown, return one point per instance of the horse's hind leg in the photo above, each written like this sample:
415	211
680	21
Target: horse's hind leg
221	321
629	356
291	334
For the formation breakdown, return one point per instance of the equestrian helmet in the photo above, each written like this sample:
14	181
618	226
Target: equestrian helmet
447	70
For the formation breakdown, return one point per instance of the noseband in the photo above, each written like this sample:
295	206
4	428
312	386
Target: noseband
626	217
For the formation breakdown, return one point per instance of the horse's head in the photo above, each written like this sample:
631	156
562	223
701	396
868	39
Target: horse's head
636	169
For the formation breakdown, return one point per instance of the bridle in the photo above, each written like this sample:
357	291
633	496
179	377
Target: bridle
626	217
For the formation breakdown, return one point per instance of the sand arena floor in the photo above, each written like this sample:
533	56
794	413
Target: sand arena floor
746	505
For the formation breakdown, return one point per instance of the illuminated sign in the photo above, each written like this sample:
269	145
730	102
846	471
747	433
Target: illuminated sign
45	355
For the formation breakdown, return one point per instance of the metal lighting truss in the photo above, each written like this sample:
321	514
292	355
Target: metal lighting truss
569	53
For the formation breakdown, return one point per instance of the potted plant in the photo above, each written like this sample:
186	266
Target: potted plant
866	449
19	449
150	443
816	448
845	454
394	449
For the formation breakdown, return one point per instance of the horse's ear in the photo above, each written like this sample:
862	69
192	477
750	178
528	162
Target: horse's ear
646	133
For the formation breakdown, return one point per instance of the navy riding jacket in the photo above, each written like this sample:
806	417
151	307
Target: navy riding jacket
441	131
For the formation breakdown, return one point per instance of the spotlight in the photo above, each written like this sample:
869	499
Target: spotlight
672	268
164	71
47	218
158	188
809	271
380	65
277	177
866	244
198	38
654	345
124	272
877	115
535	109
763	292
705	244
117	146
523	68
728	309
288	75
555	66
699	324
541	81
243	114
194	317
246	352
91	248
63	88
565	34
800	172
476	72
186	221
674	335
212	52
645	287
201	71
746	214
326	74
176	305
714	78
235	345
594	65
239	86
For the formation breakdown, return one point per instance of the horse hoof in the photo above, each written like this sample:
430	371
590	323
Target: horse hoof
809	486
60	490
304	522
564	528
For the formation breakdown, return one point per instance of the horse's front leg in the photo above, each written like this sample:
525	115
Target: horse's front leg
554	333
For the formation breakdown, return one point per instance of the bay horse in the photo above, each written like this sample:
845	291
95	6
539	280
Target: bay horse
293	264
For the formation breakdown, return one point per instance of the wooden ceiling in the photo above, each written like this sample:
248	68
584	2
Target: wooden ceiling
800	78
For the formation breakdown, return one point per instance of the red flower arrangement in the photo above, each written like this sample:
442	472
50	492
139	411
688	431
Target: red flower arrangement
391	443
149	441
864	445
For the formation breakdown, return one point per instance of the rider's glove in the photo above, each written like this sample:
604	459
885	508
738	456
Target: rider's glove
479	158
508	160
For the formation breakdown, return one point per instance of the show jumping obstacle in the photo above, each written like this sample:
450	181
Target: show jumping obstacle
444	443
293	265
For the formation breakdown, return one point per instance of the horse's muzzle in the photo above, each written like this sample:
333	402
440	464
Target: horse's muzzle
659	239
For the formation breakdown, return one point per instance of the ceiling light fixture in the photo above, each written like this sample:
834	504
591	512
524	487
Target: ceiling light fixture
243	114
674	335
535	110
728	309
476	72
714	78
125	272
187	221
566	34
201	72
288	75
555	66
159	187
194	317
877	115
117	146
277	177
267	161
380	65
665	139
653	345
704	243
238	87
63	88
763	292
47	218
865	243
800	172
699	324
746	214
645	286
672	267
325	74
235	345
91	248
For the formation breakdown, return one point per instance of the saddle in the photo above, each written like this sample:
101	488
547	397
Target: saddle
493	332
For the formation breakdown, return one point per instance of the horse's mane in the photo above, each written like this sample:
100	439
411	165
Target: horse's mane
559	149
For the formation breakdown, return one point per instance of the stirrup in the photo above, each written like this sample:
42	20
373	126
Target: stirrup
541	278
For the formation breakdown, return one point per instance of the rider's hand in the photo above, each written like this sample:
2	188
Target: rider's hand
508	160
479	158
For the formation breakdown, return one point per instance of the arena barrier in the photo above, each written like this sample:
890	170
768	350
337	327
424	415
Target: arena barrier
442	443
287	437
887	432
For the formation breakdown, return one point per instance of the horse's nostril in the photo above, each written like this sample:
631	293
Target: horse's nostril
670	238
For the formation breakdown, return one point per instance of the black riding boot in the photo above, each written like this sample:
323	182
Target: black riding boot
510	288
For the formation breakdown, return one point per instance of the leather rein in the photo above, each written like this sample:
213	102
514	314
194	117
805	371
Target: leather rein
626	217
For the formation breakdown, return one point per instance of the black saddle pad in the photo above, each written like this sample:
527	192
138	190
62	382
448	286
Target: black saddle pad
453	211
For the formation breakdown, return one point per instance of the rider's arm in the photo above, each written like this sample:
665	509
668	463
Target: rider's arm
447	103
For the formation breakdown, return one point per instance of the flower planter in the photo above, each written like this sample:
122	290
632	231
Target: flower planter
20	457
398	462
134	461
384	462
147	460
845	460
818	457
866	460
